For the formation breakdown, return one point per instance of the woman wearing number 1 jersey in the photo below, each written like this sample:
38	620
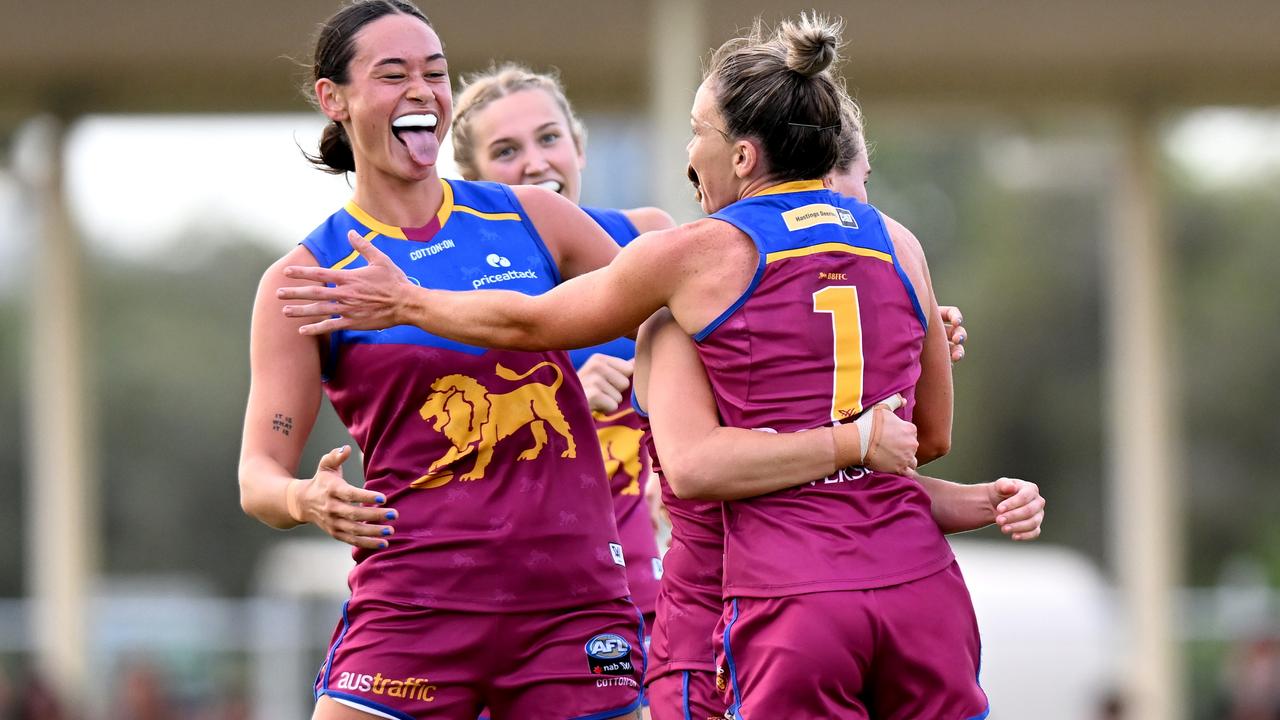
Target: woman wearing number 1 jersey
807	308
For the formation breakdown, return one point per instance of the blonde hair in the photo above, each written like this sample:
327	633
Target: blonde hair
851	141
495	83
778	88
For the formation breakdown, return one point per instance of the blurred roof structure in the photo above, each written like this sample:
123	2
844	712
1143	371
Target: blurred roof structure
79	56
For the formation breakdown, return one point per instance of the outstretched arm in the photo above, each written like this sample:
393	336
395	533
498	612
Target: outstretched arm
587	309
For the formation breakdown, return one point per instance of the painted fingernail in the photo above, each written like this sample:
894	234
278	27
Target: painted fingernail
391	514
382	545
386	532
380	499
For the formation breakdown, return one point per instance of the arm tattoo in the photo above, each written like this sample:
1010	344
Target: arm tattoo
282	424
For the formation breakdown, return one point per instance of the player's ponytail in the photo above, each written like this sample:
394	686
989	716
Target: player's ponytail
335	155
335	47
778	88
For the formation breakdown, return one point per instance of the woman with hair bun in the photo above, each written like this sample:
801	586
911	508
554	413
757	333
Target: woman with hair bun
842	597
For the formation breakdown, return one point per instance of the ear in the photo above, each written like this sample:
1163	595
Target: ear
747	158
827	182
333	102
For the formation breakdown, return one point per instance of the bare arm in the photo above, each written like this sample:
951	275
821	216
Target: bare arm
933	410
703	460
284	399
1015	505
586	310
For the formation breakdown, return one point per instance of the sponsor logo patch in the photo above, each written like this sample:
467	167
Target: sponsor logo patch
410	688
615	550
432	249
503	277
818	214
609	654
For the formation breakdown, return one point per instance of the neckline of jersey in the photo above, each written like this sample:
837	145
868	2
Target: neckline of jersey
790	187
369	221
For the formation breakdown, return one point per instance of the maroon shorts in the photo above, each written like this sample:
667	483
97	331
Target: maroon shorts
412	663
902	652
685	695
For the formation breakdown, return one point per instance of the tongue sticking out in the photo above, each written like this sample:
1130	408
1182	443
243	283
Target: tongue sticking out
423	146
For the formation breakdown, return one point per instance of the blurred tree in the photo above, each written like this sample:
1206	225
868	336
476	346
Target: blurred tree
12	444
171	366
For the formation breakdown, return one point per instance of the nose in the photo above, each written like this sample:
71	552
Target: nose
417	90
535	162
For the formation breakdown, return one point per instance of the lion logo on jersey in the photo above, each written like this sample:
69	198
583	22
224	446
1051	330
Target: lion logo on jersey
620	447
474	420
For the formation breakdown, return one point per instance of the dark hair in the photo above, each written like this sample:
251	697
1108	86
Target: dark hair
335	46
778	89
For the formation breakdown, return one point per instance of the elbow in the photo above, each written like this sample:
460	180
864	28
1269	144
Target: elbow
933	447
246	496
687	482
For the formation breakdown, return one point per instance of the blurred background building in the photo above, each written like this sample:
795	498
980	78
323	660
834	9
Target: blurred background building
1097	185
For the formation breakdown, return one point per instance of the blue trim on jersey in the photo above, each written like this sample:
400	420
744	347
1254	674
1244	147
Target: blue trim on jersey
902	275
635	403
736	707
533	232
328	661
644	646
371	705
624	348
605	715
684	696
756	217
981	716
746	294
614	222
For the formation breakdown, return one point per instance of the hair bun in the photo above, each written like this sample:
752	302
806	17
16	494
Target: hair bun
812	43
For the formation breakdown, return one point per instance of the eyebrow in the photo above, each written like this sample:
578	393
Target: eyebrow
401	61
540	128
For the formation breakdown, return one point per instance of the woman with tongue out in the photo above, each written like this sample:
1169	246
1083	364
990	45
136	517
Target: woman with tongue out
514	126
488	567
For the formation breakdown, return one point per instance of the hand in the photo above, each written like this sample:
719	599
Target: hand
366	298
605	378
893	442
956	334
1018	507
347	513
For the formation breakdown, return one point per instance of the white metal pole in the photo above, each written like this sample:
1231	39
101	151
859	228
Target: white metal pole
1145	485
60	518
677	43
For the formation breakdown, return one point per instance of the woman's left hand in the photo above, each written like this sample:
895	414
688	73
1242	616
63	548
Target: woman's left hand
1018	507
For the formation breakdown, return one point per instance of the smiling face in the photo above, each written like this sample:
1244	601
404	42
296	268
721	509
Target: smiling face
397	103
525	139
712	153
